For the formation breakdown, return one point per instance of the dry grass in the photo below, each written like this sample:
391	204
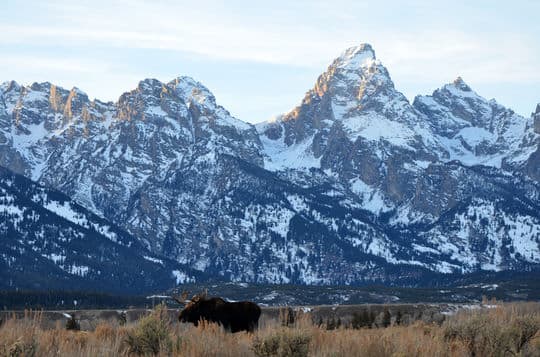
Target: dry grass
507	330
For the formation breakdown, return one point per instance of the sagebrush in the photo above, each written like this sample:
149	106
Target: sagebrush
501	330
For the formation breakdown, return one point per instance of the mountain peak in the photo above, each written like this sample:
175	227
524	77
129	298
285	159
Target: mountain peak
149	84
40	87
189	89
357	56
75	91
186	80
459	83
9	85
187	84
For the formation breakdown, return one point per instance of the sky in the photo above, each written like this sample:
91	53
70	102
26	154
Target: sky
259	58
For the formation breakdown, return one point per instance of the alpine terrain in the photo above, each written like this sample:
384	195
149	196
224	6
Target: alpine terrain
355	185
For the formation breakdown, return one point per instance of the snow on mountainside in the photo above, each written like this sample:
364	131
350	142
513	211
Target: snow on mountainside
102	154
476	131
399	160
49	241
354	98
354	185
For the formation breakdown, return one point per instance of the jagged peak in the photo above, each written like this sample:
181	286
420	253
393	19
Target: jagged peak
188	88
356	57
458	88
9	85
461	85
187	84
149	84
187	80
78	91
40	86
459	93
44	87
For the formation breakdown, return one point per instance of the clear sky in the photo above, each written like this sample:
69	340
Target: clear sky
259	58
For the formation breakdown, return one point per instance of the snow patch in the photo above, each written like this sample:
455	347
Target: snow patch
372	199
375	127
153	260
181	277
279	156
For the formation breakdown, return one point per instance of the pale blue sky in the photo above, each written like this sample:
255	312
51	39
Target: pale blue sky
260	58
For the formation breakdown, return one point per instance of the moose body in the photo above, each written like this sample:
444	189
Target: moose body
233	316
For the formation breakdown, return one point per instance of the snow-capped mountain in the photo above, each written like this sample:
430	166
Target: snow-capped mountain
425	169
103	154
354	125
353	185
48	241
354	101
475	131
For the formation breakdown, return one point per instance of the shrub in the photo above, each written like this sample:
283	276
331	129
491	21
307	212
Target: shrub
484	335
331	324
466	331
387	318
286	316
151	334
361	320
21	348
267	347
72	324
104	331
285	343
399	317
522	331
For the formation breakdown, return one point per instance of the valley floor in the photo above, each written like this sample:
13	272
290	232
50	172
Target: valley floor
497	329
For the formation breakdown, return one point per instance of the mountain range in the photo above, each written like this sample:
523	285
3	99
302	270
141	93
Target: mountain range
355	185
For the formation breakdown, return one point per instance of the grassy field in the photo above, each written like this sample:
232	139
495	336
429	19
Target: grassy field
510	329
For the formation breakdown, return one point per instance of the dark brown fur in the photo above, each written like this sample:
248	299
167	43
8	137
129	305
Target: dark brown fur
233	316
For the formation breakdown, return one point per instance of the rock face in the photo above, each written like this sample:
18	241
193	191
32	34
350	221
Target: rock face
475	131
102	154
423	169
354	185
51	242
532	168
536	117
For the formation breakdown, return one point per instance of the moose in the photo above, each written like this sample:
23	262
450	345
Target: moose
233	316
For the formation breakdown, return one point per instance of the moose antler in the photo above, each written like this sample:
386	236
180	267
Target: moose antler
203	295
182	300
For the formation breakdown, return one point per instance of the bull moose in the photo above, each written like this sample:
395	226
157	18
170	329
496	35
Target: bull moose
233	316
